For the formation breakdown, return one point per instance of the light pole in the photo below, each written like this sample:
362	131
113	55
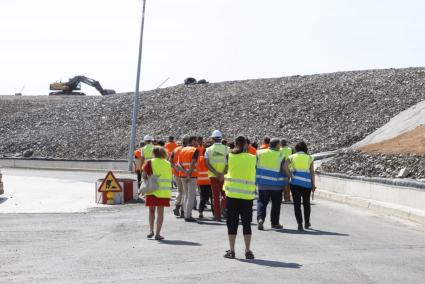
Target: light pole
136	96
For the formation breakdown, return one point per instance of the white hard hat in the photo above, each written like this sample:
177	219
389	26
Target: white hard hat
216	134
148	138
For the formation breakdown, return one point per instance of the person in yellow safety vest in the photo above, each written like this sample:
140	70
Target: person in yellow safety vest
302	182
272	176
146	151
160	197
240	191
216	162
286	151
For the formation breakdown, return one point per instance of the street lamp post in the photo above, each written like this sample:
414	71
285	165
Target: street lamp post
136	96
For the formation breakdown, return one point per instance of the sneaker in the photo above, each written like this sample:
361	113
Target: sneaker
201	216
307	225
190	219
181	214
176	212
150	235
260	225
230	254
278	226
159	238
300	227
249	255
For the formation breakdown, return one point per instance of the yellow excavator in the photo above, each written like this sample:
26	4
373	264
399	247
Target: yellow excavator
74	84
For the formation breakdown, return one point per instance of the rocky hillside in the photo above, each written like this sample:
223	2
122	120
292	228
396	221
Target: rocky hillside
356	163
329	111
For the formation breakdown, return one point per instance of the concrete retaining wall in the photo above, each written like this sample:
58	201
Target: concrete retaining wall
58	164
401	201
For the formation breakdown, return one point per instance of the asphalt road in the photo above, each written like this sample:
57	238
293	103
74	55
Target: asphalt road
346	245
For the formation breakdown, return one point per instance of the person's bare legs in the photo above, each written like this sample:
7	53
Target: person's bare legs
151	217
232	240
247	240
159	219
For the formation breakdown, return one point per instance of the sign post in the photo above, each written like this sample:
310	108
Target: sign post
136	95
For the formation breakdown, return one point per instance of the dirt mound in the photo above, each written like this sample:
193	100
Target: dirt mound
328	111
411	142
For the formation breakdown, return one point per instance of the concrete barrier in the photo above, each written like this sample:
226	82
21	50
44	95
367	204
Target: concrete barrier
387	196
61	164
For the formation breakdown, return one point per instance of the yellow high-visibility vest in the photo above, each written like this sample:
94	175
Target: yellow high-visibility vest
161	168
147	152
299	164
286	151
240	179
217	154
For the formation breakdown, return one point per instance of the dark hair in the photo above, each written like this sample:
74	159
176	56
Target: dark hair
283	142
161	143
231	145
200	139
191	139
185	140
170	138
240	143
254	144
274	143
208	142
266	139
224	142
159	152
301	146
248	141
142	144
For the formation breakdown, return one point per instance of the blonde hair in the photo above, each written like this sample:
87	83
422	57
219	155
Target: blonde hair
159	152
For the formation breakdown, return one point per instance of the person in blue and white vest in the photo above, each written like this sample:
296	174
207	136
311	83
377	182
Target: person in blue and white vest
302	182
272	176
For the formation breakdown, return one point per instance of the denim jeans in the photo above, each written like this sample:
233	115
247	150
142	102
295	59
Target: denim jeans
264	196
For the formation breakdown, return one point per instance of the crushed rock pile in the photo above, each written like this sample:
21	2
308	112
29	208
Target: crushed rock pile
328	111
356	163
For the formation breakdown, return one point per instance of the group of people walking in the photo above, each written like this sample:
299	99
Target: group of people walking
228	175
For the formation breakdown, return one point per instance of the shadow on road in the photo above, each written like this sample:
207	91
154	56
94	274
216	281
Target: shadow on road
211	223
311	232
3	199
272	263
179	243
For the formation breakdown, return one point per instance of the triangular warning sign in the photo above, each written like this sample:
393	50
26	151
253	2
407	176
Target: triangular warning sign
110	184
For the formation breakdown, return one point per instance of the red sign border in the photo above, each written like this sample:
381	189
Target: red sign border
114	178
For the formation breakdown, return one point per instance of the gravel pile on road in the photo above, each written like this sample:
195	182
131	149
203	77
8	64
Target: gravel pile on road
328	111
356	163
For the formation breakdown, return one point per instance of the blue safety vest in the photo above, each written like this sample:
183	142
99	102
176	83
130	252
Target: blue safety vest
300	166
269	168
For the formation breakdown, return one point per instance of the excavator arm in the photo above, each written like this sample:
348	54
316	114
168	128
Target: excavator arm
73	84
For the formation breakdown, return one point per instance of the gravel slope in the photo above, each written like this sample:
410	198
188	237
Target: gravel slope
329	111
356	163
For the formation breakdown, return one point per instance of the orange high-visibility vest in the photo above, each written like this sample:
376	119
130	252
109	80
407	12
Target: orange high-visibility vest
137	159
252	150
170	146
185	159
176	159
200	150
264	146
203	178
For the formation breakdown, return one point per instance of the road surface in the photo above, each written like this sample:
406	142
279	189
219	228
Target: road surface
108	244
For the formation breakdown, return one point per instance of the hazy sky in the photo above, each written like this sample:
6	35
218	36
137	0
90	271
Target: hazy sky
46	40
